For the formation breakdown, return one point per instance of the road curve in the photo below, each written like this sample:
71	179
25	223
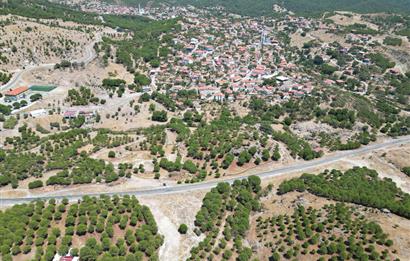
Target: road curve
210	184
88	56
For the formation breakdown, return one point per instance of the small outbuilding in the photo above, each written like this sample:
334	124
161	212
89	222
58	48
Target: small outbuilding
38	113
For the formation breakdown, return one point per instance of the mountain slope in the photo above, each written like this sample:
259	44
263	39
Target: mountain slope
307	7
302	7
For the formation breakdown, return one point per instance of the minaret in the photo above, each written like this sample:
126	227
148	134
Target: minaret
263	38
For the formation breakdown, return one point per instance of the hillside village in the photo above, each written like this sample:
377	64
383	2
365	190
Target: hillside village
227	59
250	135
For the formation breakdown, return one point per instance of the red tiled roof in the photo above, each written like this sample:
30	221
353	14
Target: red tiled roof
17	91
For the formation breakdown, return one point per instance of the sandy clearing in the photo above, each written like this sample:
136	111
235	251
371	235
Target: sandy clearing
169	250
170	211
350	19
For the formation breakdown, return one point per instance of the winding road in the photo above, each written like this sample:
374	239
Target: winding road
302	166
88	56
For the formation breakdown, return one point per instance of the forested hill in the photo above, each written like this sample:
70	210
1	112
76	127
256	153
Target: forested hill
302	7
308	7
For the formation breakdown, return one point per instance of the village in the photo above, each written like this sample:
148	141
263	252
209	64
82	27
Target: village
160	131
234	58
225	60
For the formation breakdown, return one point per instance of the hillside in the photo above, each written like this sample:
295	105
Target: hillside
43	9
245	220
302	7
364	6
105	100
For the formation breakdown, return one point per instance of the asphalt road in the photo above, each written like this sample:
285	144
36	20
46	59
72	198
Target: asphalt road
303	166
88	56
17	77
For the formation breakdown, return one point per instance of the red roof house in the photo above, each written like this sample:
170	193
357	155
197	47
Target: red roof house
17	91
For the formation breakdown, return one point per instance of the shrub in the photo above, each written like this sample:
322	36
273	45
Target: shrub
111	154
35	184
406	170
10	123
160	116
183	229
4	109
328	69
392	41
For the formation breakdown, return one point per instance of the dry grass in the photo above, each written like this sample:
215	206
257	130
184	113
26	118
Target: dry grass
41	42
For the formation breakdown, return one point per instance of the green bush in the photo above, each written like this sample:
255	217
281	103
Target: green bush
111	154
4	109
35	184
160	116
392	41
328	69
10	123
183	229
406	170
381	61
